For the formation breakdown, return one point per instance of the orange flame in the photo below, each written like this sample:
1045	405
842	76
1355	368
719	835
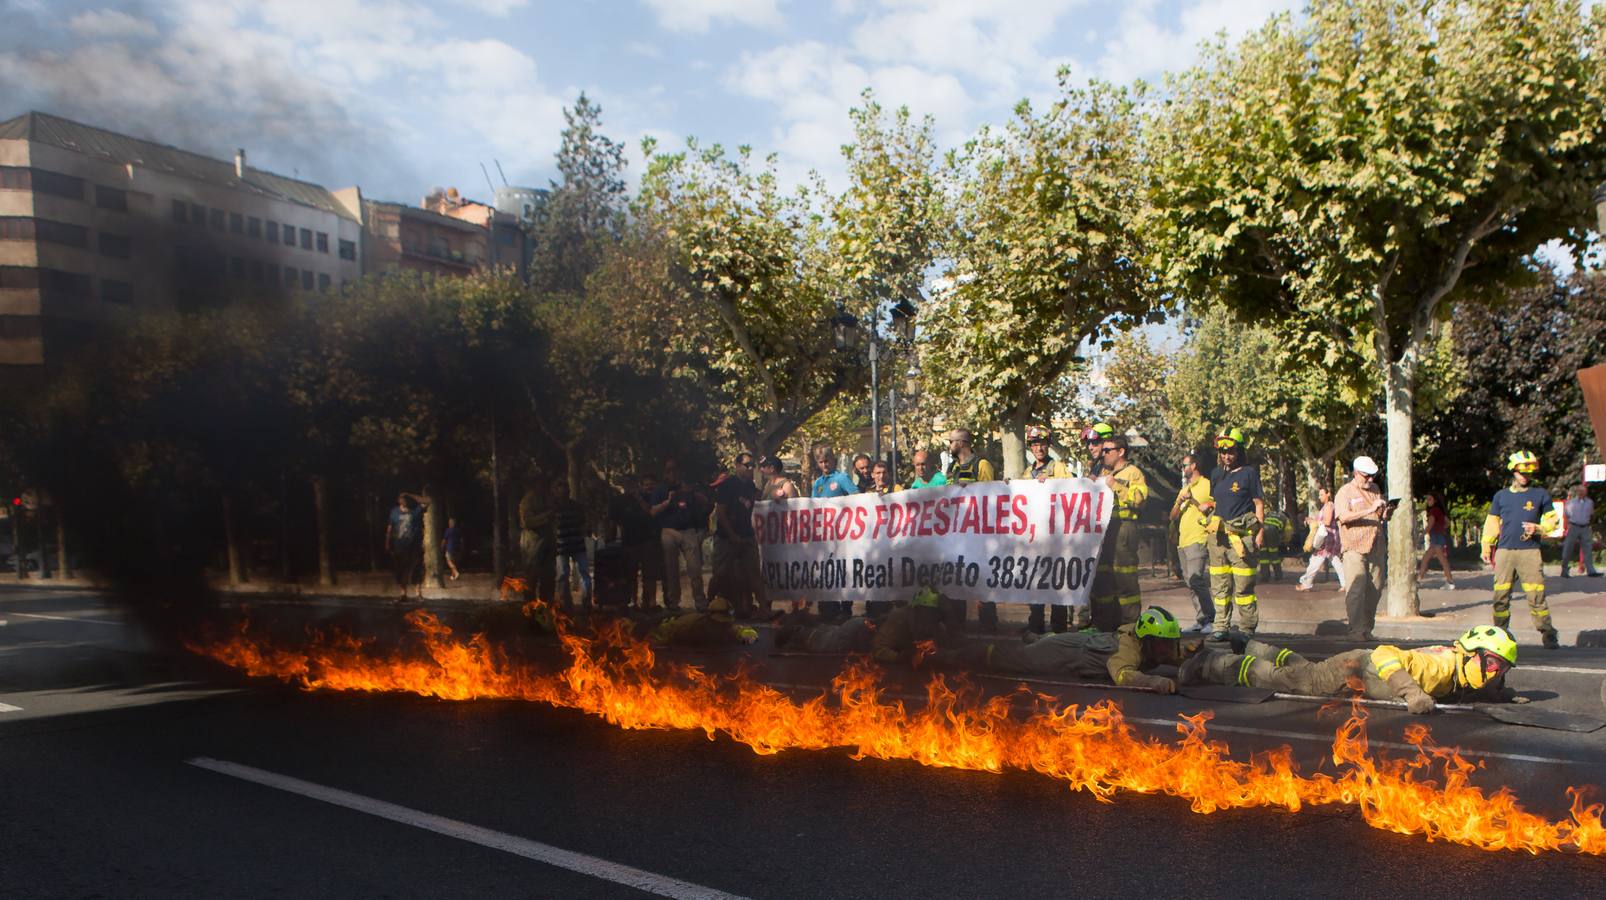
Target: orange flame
618	678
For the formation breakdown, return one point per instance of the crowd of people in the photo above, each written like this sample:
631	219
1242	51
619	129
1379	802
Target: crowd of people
1228	537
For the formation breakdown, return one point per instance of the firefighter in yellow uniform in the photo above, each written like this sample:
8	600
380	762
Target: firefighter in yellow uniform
1237	510
1126	657
1518	516
1273	534
1116	598
1473	667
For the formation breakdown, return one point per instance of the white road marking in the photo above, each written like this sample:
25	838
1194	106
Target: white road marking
639	879
6	707
66	619
1243	729
1571	670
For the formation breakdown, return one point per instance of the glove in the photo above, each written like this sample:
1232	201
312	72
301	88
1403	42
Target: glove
1154	683
1405	687
1510	695
1238	640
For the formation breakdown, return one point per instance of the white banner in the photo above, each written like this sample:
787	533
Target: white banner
1005	541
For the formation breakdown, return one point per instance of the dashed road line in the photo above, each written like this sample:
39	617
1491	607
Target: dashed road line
66	619
595	867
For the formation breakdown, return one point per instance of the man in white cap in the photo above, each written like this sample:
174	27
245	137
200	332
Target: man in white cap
1362	512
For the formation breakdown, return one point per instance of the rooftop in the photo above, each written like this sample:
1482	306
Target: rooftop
110	146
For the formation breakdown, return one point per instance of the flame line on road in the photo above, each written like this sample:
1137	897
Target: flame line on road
593	866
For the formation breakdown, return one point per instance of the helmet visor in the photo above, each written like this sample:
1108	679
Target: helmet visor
1225	443
1526	468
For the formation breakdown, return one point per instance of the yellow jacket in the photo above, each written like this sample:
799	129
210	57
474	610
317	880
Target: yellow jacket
1431	667
1130	488
1193	524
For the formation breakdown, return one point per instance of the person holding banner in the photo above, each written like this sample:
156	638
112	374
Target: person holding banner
966	468
1122	656
926	474
829	482
1518	516
1043	468
1116	597
1238	508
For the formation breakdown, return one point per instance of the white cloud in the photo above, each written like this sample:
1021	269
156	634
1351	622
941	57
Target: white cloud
110	23
494	7
698	16
812	87
1143	47
993	40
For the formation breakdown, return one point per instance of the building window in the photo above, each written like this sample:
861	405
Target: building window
323	242
57	283
16	228
273	274
19	277
306	238
348	250
114	199
273	232
323	282
256	270
115	245
290	277
116	291
197	215
217	220
181	211
237	267
21	327
253	227
306	279
22	228
21	178
236	223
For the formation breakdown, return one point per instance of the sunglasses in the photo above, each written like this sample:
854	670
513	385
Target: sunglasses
1109	449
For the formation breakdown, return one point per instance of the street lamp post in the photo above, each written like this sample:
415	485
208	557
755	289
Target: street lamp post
847	335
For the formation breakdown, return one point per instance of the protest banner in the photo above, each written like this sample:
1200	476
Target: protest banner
1005	541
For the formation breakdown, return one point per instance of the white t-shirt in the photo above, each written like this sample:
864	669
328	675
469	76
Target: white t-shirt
1580	511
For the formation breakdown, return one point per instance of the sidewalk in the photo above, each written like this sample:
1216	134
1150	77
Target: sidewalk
1578	604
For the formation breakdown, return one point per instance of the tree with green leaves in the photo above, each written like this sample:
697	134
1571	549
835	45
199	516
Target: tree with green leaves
585	209
1045	256
1363	171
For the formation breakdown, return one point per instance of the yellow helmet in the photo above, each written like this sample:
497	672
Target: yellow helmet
925	597
1522	461
1229	439
1485	653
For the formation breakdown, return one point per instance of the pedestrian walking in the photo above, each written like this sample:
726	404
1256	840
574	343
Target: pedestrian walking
683	519
404	540
828	482
1362	513
1237	510
1438	540
452	546
1043	467
1518	516
964	468
735	562
1580	539
1324	546
1192	521
1116	600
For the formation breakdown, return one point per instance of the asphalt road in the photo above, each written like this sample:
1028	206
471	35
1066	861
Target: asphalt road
130	773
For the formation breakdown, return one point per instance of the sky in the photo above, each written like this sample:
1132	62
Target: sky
399	96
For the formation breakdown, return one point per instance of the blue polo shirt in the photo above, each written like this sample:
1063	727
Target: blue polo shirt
836	484
1514	507
1235	491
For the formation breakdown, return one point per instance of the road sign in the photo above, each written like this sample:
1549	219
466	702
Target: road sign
1595	472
